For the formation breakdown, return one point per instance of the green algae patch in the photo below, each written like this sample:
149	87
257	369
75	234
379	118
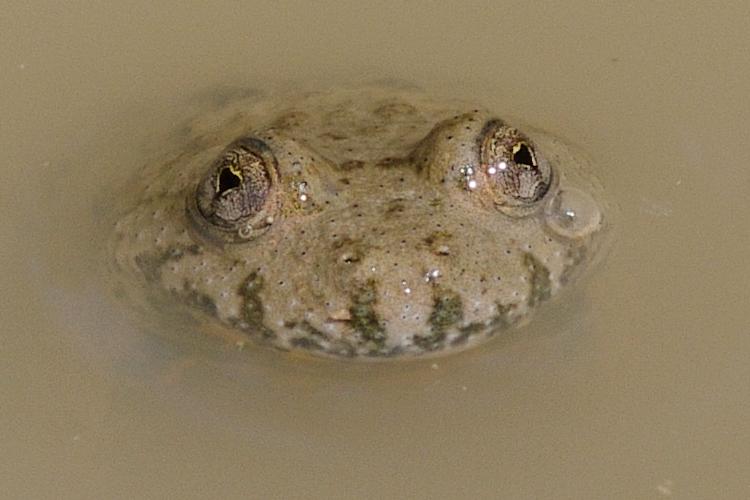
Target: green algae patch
447	311
200	301
575	256
311	331
468	331
306	343
540	280
364	318
252	307
151	264
504	317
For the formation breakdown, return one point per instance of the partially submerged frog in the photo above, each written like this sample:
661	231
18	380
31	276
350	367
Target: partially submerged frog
360	223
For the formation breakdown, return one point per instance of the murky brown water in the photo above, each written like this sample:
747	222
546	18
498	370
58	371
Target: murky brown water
637	385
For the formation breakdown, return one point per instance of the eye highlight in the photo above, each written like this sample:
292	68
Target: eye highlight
518	175
238	190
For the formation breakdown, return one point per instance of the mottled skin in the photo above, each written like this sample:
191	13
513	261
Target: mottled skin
372	228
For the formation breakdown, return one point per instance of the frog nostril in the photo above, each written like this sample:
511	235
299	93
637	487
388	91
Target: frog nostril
349	258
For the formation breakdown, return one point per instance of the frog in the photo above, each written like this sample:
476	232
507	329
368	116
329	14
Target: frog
364	223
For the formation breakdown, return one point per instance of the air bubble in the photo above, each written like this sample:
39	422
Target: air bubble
573	214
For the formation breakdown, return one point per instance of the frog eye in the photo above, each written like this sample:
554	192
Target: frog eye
237	193
517	174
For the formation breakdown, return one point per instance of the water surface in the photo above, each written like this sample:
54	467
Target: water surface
635	385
